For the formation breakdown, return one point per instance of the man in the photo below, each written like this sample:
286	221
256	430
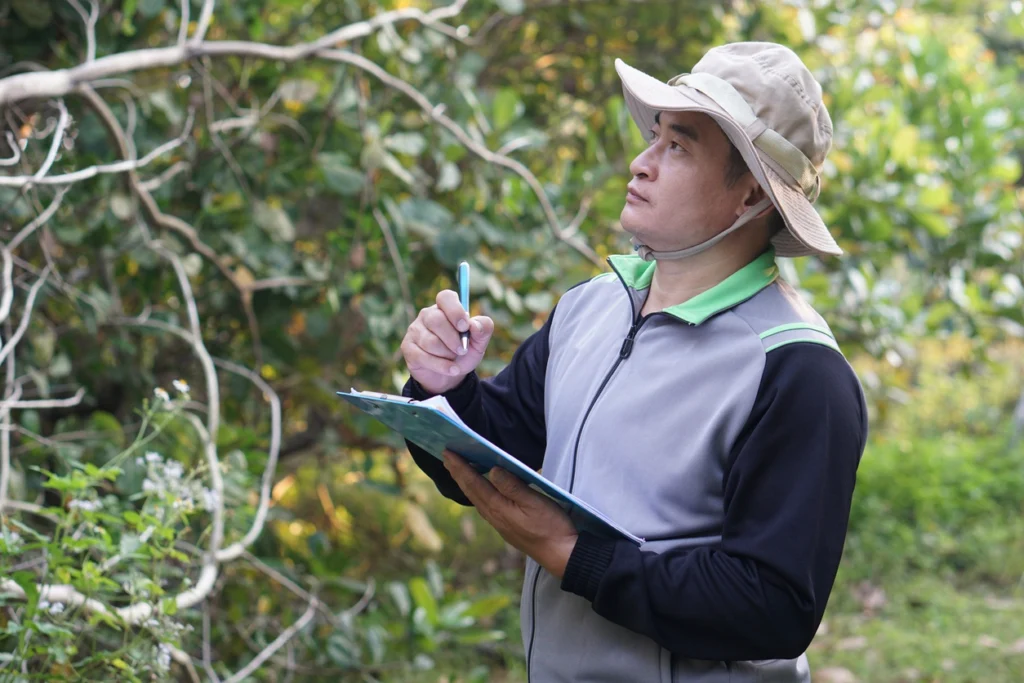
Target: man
691	396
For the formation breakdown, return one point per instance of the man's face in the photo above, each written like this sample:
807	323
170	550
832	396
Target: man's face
678	196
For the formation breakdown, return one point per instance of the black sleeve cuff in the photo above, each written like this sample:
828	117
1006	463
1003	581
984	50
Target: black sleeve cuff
588	563
458	398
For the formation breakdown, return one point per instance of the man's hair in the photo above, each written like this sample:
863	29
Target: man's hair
736	168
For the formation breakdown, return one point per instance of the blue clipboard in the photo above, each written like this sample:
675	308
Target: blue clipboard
433	426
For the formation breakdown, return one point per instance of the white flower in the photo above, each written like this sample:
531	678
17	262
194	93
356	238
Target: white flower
149	486
11	539
173	470
85	505
151	623
209	499
139	461
153	457
57	608
44	604
163	659
181	386
161	394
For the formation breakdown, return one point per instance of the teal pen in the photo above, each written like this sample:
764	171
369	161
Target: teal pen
464	298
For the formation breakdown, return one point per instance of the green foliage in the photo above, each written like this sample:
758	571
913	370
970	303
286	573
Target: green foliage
321	173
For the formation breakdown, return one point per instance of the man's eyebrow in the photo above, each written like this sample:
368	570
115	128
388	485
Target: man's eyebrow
682	129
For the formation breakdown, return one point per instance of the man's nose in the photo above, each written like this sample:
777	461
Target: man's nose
644	165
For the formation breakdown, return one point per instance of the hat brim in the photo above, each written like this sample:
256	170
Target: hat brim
805	232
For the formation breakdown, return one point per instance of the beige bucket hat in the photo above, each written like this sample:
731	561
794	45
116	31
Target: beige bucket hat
769	105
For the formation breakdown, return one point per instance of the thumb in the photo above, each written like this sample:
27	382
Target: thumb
481	328
507	484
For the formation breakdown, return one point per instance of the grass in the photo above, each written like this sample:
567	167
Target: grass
923	630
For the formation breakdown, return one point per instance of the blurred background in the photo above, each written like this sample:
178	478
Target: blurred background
205	239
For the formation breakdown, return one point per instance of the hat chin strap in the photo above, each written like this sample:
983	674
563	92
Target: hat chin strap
648	254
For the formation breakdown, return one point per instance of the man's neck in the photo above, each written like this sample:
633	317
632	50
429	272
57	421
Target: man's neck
679	280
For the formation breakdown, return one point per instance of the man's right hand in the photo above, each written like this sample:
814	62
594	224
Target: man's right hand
433	348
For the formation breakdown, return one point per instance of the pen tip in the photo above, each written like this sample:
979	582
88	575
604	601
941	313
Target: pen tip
465	344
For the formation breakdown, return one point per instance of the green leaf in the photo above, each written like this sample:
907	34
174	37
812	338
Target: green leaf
400	594
422	596
376	635
274	221
343	651
34	13
339	176
150	8
487	607
27	581
449	178
507	108
455	245
406	143
511	6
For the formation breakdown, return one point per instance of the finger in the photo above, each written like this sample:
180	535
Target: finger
432	344
480	330
437	322
448	302
418	359
472	483
508	484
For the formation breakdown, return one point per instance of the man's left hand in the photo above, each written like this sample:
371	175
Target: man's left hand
525	519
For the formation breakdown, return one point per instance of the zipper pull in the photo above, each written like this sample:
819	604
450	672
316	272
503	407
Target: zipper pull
627	343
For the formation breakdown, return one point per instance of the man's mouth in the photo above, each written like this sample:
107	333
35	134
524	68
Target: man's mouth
634	196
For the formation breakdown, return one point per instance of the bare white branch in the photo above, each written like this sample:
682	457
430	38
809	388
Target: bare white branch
175	168
90	25
26	316
207	663
58	83
183	28
8	284
57	593
5	437
437	113
212	398
205	17
269	471
58	137
47	403
12	142
282	281
117	167
396	258
276	645
25	232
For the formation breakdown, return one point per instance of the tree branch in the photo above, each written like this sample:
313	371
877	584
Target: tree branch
13	143
437	113
26	316
276	645
25	232
92	171
90	26
61	82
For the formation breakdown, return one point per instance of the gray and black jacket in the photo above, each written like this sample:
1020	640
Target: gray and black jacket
726	431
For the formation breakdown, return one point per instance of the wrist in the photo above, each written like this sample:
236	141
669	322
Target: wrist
556	554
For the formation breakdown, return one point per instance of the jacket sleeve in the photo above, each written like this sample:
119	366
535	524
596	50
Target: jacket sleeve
761	592
507	410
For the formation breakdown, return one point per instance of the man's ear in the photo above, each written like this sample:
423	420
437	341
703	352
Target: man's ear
754	194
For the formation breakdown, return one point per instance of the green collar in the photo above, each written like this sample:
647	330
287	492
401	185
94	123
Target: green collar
637	274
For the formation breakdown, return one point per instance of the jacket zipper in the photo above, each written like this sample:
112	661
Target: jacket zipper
624	352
